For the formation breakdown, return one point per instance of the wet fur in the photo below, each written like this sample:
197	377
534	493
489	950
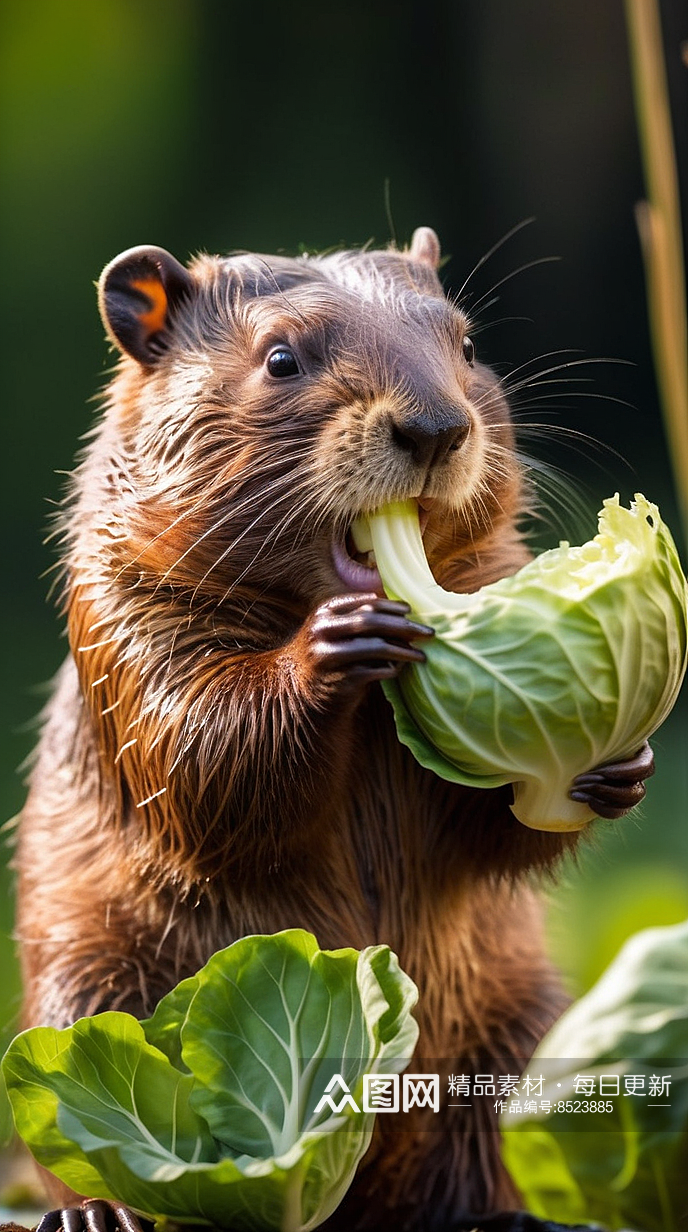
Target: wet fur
196	779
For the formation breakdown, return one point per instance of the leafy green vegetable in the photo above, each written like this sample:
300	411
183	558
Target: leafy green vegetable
626	1168
572	662
208	1111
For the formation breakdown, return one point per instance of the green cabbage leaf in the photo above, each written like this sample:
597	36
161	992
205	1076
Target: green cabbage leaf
571	663
625	1167
208	1112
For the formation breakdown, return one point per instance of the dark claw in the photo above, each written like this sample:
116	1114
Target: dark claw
368	621
50	1222
374	671
611	790
634	770
600	810
619	795
361	649
349	603
361	638
94	1215
588	780
126	1220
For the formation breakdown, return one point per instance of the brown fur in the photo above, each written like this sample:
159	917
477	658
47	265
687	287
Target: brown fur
197	778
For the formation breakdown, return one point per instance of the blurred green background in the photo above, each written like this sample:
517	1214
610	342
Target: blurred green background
217	125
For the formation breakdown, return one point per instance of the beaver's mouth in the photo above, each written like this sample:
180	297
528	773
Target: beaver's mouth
357	570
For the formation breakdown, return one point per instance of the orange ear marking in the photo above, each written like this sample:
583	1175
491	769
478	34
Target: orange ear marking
154	319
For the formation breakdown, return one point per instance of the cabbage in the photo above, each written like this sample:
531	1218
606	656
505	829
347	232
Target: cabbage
571	663
625	1167
209	1112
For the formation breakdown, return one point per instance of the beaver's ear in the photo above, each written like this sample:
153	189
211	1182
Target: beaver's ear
137	294
425	247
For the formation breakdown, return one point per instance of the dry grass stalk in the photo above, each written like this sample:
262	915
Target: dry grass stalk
659	224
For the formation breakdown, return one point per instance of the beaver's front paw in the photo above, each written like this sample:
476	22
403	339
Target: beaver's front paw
360	638
94	1215
610	791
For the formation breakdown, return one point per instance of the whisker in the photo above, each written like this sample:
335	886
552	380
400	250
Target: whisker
552	482
491	252
476	329
287	495
535	359
230	512
573	393
538	431
572	363
507	278
267	460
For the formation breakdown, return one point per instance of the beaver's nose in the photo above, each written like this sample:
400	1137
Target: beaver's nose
429	436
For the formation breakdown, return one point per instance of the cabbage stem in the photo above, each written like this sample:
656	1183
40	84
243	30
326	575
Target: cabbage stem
396	535
544	806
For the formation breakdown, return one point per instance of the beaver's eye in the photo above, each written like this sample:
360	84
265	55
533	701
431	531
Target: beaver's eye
468	350
282	362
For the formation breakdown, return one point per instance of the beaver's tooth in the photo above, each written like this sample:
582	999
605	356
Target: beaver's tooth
367	559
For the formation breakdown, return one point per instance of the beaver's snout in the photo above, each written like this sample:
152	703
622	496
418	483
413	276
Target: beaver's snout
429	436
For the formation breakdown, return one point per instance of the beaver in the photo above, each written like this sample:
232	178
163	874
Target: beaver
218	757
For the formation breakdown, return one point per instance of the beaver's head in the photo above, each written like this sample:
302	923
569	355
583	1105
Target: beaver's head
264	402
